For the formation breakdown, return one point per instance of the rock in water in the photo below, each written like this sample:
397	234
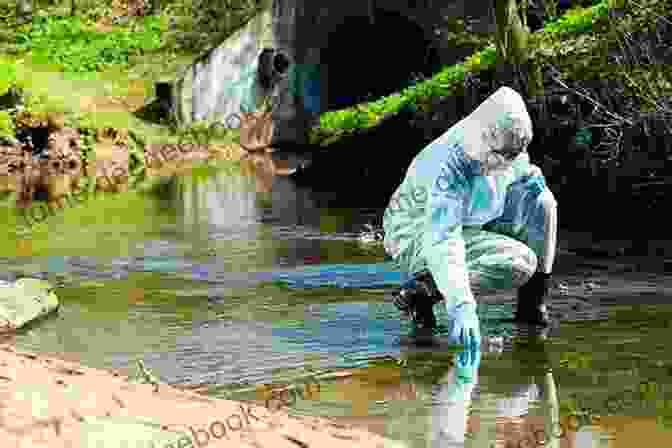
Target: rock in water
24	301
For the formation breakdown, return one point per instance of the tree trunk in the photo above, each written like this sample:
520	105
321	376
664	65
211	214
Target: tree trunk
511	37
73	8
514	65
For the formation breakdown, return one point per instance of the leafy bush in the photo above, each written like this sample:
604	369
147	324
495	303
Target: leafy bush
71	43
577	20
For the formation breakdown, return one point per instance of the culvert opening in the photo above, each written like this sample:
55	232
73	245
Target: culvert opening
273	65
365	61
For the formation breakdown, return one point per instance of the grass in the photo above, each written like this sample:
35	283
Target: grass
74	43
102	73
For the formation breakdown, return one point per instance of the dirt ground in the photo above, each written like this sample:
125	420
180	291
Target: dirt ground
50	402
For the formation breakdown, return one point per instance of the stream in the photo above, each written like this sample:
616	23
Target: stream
190	280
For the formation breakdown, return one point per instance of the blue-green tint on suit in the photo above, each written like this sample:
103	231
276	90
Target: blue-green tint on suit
459	184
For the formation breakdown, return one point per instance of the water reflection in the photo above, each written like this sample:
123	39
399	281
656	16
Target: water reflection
466	413
527	409
126	259
451	400
500	397
279	200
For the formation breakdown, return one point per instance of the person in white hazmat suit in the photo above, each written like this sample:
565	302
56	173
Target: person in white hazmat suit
473	214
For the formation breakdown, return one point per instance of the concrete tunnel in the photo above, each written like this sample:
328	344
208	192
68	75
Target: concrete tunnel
366	61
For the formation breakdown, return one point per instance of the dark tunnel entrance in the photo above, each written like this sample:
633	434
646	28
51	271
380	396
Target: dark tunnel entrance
365	61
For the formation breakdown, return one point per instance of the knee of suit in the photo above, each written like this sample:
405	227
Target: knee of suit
547	200
523	266
542	213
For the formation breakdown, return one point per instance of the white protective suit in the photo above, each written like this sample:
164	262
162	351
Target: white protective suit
457	184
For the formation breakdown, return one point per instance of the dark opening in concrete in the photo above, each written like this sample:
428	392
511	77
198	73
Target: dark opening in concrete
366	61
273	65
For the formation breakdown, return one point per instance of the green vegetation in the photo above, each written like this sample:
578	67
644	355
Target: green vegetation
578	44
112	60
449	80
73	44
96	70
116	65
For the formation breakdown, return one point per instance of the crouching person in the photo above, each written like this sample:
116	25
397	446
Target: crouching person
473	214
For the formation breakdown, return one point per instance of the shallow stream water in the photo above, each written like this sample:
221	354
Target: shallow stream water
186	280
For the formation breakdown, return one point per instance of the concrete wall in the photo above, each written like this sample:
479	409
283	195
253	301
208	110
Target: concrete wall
337	50
222	81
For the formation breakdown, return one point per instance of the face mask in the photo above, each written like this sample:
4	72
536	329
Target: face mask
496	162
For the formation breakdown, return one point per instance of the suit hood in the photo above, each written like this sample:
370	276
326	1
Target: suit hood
499	122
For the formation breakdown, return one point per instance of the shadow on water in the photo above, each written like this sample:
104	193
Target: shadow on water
186	279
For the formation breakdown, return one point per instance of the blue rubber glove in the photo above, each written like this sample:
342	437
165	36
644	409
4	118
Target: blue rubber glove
467	362
466	329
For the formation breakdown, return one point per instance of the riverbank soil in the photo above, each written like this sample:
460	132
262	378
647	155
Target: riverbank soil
48	402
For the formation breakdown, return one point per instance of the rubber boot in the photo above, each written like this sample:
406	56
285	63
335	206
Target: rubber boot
417	298
532	298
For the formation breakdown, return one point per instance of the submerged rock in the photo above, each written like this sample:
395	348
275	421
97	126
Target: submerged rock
24	301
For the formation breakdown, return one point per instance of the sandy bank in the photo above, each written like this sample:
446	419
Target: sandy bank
50	402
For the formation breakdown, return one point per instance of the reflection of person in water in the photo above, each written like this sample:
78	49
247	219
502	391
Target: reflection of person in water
530	381
514	426
451	400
